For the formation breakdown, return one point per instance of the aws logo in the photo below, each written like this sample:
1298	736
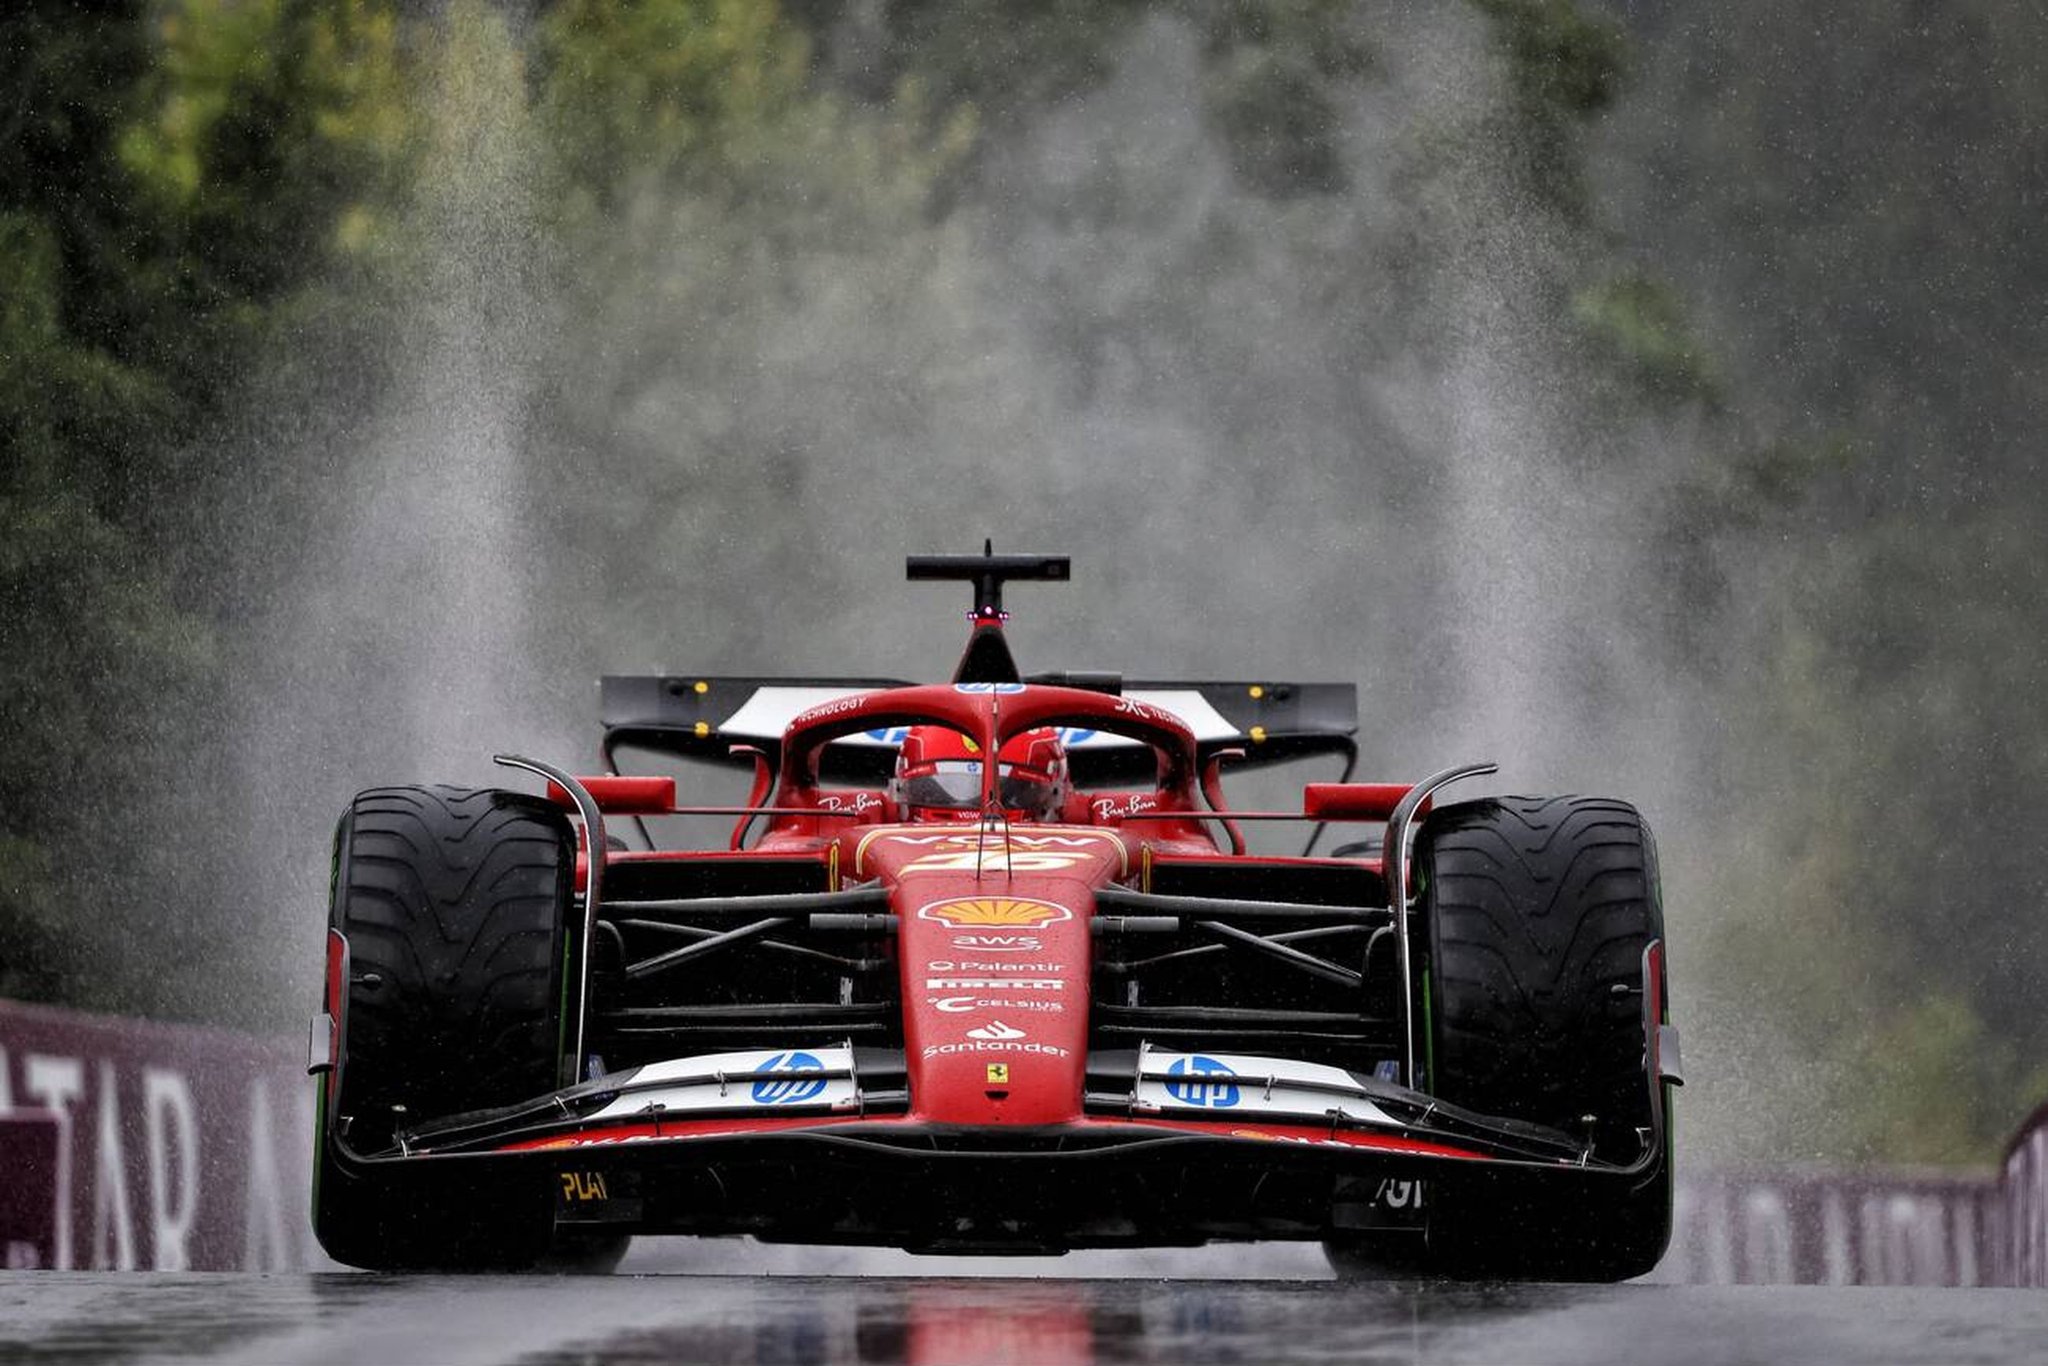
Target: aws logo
1008	912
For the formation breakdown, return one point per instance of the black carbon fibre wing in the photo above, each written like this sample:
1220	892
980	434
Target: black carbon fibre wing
701	717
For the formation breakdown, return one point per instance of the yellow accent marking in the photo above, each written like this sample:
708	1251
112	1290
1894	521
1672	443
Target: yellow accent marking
832	867
1258	734
584	1186
1145	867
860	851
999	1074
700	687
1256	691
702	729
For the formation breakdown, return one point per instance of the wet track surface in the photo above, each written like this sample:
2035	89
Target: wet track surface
560	1321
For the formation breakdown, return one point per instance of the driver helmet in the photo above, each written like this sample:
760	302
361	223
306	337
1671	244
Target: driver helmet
939	772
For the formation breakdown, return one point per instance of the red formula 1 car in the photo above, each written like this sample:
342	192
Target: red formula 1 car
985	967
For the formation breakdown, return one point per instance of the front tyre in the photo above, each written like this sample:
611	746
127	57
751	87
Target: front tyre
454	905
1539	911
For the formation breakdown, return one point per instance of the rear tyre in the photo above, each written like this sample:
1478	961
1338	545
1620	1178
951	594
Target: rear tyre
454	904
1539	911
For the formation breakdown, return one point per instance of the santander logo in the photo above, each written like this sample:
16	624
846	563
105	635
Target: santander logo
997	1031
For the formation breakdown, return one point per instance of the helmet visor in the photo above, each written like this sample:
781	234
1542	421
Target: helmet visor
1022	790
952	783
955	784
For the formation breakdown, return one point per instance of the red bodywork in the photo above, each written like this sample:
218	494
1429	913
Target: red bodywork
993	919
995	949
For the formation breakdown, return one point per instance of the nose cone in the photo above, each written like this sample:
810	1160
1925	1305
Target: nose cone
996	957
996	1017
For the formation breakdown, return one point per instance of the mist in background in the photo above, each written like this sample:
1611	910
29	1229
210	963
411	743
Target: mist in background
1410	345
1320	433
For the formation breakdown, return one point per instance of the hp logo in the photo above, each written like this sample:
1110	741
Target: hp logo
795	1088
1198	1081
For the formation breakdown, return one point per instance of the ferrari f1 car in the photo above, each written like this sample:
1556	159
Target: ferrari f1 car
987	967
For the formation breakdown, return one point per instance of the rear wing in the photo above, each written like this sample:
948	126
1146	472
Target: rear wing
701	718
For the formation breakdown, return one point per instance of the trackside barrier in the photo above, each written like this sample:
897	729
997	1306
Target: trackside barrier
2023	1187
1832	1228
132	1144
1869	1228
163	1146
28	1190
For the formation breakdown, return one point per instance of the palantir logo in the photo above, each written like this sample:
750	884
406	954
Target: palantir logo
805	1082
1196	1083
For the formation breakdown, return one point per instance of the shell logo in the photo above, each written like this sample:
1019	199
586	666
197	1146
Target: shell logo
1008	911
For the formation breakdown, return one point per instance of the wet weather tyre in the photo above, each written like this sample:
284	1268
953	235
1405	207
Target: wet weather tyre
1538	912
454	904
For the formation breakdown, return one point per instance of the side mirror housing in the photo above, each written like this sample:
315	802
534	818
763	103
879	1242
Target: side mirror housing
1354	801
616	795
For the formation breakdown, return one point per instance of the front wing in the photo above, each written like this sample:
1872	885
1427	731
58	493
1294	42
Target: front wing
829	1152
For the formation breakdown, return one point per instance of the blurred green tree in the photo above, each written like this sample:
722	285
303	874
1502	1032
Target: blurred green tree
176	178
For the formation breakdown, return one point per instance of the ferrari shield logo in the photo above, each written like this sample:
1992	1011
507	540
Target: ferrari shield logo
1007	911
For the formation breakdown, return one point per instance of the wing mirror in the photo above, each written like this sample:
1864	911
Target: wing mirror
1354	801
622	794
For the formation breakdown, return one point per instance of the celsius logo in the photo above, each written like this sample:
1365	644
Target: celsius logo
999	911
1198	1081
805	1082
966	1005
995	1029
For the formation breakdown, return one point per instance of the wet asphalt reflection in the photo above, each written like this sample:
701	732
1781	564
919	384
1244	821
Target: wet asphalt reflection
571	1321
